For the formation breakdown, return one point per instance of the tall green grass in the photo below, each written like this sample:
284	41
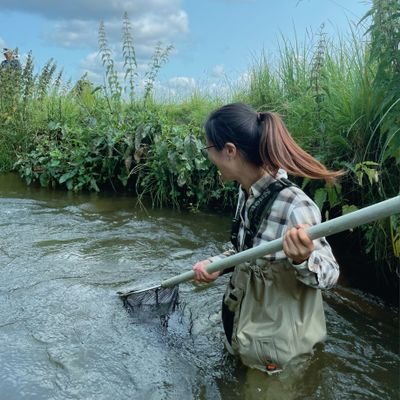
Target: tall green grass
341	101
339	98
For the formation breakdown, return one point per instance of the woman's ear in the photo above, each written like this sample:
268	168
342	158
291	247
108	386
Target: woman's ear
231	149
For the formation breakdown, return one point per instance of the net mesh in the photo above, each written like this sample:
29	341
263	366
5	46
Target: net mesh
146	304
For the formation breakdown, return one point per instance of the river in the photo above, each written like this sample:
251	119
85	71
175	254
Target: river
65	333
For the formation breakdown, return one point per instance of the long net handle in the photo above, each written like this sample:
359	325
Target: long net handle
368	214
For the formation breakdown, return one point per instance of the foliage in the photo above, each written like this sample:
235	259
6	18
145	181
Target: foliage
343	106
383	145
339	100
114	88
25	100
176	172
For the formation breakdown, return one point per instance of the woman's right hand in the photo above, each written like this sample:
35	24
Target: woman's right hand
200	273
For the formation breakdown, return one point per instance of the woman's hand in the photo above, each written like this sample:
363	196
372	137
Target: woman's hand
297	245
201	275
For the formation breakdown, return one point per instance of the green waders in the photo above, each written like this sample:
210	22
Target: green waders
269	316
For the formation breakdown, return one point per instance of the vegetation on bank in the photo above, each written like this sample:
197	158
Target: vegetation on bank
340	101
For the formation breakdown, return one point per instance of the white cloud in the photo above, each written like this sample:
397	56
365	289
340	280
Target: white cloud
244	79
91	62
73	34
182	82
157	26
218	71
90	9
75	24
146	30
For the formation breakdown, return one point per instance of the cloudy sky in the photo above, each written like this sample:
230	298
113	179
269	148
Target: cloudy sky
214	41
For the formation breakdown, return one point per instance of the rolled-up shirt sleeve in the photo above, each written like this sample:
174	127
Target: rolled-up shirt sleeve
292	207
321	269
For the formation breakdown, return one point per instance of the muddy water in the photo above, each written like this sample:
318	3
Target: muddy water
65	334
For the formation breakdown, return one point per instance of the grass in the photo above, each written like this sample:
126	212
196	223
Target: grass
339	99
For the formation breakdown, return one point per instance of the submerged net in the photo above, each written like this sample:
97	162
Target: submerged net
152	302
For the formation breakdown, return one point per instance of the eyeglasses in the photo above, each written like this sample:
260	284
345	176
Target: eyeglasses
204	150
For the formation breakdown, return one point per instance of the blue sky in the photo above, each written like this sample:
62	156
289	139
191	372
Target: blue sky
214	40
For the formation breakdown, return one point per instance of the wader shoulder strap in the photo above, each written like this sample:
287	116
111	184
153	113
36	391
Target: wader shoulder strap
257	212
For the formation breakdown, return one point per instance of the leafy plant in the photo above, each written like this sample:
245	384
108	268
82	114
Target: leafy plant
339	100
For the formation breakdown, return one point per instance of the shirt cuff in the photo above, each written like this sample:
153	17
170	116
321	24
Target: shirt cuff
305	266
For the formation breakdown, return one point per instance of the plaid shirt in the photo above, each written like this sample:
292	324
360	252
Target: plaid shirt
291	207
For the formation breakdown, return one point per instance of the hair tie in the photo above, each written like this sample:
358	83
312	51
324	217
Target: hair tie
263	116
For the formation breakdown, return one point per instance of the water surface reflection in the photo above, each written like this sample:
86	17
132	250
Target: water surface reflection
66	335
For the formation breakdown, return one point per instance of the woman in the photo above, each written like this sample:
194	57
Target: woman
272	309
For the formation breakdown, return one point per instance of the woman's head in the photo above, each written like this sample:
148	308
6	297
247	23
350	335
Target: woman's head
236	123
263	140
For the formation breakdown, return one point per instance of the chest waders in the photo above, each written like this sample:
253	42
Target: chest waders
269	316
258	211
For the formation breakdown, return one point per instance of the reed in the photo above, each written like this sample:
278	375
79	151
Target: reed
339	98
129	55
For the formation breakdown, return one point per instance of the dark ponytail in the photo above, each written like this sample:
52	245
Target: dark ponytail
264	141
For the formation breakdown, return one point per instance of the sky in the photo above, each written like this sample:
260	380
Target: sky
215	42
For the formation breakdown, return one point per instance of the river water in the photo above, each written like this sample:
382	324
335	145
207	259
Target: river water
65	334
